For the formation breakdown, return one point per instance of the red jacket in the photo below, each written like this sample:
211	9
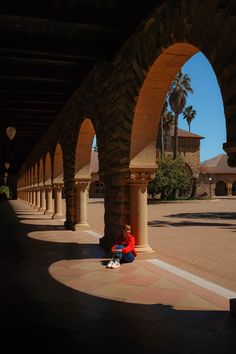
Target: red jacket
128	242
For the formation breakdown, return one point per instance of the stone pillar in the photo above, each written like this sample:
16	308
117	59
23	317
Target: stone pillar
42	200
30	197
229	189
48	210
26	195
138	209
33	203
58	201
81	195
37	203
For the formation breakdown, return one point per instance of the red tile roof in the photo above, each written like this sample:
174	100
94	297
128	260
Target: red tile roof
185	134
217	164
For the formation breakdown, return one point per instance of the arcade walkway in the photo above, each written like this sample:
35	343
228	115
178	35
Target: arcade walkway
57	295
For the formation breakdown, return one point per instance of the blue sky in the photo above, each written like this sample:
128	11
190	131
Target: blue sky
207	101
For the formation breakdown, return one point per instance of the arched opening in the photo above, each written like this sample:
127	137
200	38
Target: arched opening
41	172
48	170
86	176
221	189
150	102
49	208
32	179
147	114
58	184
58	165
36	174
143	141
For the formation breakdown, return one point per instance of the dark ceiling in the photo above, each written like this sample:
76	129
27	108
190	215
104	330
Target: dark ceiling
47	49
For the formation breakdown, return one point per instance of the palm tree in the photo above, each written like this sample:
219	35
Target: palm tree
161	128
189	114
178	93
168	122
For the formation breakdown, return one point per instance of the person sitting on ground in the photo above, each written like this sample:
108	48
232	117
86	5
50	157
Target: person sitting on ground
123	250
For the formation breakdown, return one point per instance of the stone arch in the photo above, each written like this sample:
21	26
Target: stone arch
27	178
150	102
41	172
48	169
36	173
58	175
32	176
84	149
83	171
221	188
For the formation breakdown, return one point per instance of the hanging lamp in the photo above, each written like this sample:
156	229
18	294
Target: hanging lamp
11	132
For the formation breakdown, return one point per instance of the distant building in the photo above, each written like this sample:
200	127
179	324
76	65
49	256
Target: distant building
214	176
188	148
96	189
217	178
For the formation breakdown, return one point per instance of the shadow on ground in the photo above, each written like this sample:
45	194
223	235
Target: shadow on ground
40	314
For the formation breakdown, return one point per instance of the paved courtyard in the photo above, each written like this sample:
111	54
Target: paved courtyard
199	236
57	291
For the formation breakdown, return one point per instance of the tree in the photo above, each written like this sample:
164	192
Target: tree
5	191
172	175
177	95
164	108
168	122
189	114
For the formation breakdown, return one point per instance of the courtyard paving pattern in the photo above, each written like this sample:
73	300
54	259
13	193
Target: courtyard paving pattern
58	292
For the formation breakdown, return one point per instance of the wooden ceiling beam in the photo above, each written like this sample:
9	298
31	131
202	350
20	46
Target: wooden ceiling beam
35	78
32	27
48	55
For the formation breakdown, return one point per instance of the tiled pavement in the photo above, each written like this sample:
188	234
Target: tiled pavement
58	293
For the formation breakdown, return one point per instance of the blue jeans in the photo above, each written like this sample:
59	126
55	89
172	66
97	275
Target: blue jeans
123	257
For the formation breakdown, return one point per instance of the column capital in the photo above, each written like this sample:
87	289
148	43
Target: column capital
137	177
82	184
58	186
48	188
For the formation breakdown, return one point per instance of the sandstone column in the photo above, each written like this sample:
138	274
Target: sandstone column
229	189
37	204
81	195
33	197
42	200
138	209
48	210
58	201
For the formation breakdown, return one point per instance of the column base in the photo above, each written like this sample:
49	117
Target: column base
81	226
143	249
57	216
48	212
42	210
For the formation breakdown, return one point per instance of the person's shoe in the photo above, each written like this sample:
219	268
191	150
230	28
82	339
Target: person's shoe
115	264
109	265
